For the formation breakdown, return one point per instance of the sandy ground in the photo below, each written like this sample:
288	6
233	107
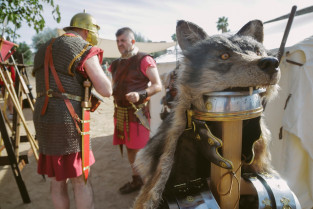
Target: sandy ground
110	171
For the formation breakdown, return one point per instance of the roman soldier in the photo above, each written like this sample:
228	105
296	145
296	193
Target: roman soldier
61	67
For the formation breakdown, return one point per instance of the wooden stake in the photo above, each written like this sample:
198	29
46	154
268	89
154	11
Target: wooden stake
5	98
225	187
18	109
17	122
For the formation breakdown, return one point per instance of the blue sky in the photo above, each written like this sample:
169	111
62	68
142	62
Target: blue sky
156	20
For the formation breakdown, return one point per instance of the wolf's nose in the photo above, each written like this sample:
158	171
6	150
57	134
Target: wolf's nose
269	65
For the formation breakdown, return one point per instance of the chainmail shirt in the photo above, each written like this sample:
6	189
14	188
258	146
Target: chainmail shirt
55	130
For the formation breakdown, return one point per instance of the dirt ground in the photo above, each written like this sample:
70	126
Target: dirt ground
110	171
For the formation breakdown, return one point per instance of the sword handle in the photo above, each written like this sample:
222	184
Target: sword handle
86	103
134	106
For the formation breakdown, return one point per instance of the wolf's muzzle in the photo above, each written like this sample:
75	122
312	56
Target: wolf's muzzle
269	65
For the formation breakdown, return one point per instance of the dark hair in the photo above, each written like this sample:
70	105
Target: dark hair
124	30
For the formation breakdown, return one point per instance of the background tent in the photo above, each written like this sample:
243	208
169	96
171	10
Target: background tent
290	120
290	116
110	49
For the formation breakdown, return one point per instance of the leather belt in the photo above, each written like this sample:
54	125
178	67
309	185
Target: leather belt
51	93
125	114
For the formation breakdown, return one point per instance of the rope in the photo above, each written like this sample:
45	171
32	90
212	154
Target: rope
232	176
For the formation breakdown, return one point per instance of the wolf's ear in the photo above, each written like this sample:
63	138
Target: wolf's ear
188	34
254	29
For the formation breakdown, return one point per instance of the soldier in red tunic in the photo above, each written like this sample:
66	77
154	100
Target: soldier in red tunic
73	58
132	73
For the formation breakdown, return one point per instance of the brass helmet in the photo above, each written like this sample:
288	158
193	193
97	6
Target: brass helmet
87	22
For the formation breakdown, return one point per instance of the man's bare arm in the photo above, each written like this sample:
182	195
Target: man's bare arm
100	81
156	84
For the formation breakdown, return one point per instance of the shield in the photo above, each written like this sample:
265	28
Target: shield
139	114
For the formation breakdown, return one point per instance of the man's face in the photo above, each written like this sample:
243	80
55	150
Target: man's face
124	43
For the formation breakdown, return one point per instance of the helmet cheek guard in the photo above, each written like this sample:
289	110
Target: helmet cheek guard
87	22
92	38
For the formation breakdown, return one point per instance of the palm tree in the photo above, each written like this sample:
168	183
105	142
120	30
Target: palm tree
222	24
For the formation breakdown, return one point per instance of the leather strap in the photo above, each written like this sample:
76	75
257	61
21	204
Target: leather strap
207	139
46	65
49	60
264	199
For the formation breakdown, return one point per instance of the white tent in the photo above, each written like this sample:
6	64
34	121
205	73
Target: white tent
289	116
290	120
110	49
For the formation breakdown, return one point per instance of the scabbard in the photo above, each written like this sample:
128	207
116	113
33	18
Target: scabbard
85	142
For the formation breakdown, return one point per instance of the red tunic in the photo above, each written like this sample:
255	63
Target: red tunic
62	166
139	135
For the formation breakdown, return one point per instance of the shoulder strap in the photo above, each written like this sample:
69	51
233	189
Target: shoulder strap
46	65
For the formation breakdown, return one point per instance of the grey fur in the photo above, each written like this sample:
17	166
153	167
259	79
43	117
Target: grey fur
203	70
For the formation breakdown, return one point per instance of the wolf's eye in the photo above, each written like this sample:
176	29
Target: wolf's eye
225	56
258	53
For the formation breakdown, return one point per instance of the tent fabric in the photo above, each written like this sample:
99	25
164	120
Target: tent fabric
292	156
297	169
298	113
110	50
5	47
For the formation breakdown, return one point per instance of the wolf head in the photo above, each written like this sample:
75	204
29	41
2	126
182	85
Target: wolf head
215	63
224	61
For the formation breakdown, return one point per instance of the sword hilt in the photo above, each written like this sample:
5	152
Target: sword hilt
134	106
86	103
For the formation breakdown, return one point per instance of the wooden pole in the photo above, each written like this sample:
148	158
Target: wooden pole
18	109
14	164
5	105
225	187
17	122
23	84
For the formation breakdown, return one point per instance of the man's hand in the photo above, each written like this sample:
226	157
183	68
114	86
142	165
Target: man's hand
132	97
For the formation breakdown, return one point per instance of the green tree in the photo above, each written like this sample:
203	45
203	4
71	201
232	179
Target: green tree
140	38
222	24
29	11
174	37
43	37
157	54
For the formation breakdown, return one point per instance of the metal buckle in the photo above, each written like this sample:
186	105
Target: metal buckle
49	92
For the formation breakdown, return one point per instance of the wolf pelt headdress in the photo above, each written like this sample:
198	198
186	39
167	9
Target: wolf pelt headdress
210	64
